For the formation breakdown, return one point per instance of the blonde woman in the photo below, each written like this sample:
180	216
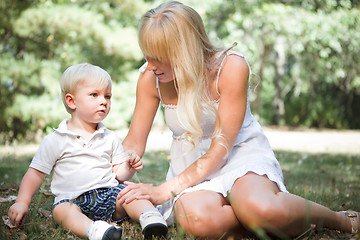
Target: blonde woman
223	174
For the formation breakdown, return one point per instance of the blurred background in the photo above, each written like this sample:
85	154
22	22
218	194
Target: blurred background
304	56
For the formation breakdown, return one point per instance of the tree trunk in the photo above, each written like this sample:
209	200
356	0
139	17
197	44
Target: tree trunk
278	103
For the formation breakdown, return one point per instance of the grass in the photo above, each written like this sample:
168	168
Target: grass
331	180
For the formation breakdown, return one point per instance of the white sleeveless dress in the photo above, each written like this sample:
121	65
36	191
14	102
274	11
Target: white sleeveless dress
251	153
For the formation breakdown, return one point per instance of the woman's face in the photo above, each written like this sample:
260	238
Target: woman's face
162	70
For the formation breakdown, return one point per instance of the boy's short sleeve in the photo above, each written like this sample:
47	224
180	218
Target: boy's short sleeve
119	155
46	156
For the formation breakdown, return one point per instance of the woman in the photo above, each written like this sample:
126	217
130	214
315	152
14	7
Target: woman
223	174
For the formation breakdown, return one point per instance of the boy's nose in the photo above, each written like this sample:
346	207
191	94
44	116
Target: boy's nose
103	100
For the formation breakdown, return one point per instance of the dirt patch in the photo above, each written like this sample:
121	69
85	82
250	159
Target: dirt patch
280	138
314	140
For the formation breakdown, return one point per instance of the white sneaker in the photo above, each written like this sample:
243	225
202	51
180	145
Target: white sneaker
101	230
153	224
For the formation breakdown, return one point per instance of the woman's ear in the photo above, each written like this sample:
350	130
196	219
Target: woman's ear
70	101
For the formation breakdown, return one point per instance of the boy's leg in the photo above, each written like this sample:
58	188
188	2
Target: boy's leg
151	220
70	216
135	208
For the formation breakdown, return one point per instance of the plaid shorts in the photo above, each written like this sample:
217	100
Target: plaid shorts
97	204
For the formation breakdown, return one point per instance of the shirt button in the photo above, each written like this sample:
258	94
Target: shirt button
84	145
78	137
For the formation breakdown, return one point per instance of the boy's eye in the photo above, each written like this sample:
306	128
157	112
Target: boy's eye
108	96
94	94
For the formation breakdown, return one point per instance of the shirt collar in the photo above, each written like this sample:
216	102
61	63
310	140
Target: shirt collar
63	129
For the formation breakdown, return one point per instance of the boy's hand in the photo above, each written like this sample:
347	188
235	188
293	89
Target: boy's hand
134	160
17	212
126	170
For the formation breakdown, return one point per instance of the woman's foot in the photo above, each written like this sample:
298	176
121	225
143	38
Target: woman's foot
354	218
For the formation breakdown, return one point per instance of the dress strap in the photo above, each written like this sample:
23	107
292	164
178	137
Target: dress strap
225	52
218	74
228	52
158	88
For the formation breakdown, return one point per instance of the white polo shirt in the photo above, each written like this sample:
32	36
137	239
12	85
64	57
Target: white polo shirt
79	165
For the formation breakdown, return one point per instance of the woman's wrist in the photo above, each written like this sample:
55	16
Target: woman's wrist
171	189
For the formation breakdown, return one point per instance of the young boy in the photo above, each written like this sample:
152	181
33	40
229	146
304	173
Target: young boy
88	162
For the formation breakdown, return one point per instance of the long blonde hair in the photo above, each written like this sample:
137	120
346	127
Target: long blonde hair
176	31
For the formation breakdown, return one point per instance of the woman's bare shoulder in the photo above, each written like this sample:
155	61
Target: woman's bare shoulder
234	70
147	83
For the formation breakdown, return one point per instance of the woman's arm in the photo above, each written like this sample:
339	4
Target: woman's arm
147	103
233	84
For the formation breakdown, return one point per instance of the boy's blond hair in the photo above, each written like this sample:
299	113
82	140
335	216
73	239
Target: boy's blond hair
75	74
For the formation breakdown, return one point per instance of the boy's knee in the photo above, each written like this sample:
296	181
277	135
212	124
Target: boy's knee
62	210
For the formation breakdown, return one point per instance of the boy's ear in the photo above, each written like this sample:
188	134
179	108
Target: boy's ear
70	101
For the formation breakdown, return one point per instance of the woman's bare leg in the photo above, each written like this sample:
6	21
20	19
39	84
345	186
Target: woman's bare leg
257	201
206	213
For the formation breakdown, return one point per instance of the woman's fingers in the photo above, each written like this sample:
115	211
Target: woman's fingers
131	192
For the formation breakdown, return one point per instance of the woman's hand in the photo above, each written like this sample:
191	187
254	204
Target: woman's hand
135	191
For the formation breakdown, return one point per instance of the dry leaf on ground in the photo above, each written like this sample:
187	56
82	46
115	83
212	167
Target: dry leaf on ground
44	213
8	199
7	222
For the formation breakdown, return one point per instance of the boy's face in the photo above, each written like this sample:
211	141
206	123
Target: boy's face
92	102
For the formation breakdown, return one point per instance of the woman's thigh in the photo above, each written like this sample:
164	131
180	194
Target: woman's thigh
205	213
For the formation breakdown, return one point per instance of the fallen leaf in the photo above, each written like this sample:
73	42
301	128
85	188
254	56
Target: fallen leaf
7	221
48	194
70	237
7	190
44	213
8	199
23	236
306	189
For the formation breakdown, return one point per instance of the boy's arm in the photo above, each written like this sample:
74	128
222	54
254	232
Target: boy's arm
28	187
126	170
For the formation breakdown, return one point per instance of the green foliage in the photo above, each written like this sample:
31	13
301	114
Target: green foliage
42	38
304	56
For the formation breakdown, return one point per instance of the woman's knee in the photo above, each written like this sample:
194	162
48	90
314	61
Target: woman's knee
261	205
262	213
203	218
198	223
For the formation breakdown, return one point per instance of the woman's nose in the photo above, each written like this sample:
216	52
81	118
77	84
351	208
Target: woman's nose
151	66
